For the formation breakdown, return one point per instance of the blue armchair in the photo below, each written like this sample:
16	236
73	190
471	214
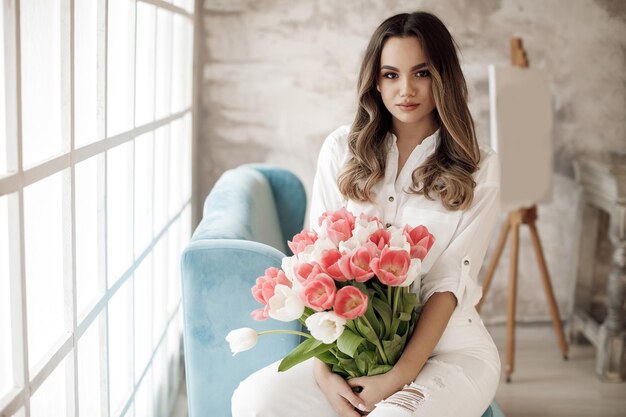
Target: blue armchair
248	217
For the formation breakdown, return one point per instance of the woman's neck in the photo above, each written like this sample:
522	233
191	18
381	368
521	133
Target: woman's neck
414	133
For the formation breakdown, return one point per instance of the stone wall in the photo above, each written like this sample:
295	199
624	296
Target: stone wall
278	76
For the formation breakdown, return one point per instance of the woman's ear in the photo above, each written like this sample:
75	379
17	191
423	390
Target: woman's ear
378	88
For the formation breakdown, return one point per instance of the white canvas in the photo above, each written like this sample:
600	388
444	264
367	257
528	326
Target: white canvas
521	133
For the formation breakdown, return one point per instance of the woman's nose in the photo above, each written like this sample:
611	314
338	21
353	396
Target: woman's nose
407	89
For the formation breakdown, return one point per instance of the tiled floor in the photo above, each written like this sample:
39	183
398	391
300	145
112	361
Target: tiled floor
543	384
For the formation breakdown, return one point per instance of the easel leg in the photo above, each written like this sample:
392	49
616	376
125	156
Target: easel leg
547	285
510	323
494	262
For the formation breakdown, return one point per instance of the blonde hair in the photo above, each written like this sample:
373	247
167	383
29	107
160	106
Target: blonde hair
447	173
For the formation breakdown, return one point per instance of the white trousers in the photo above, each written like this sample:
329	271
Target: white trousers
459	380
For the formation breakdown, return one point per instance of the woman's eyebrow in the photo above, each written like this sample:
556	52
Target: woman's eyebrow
418	66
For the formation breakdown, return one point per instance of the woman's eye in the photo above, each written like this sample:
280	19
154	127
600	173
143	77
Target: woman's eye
422	74
389	75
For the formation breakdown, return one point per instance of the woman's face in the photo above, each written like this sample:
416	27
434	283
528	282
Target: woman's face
404	81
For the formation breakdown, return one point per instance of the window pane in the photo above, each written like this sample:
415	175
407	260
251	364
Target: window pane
49	400
160	383
3	143
181	63
43	240
143	399
120	346
173	354
143	315
120	66
159	282
86	195
144	178
186	160
164	63
89	370
86	108
161	177
6	355
41	79
146	16
119	214
176	142
173	276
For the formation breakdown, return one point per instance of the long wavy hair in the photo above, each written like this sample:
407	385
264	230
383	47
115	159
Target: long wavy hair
447	173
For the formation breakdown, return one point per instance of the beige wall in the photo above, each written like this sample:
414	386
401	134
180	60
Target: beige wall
278	76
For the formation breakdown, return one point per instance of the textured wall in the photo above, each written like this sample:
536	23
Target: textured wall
278	76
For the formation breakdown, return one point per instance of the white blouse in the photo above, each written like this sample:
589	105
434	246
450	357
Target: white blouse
461	237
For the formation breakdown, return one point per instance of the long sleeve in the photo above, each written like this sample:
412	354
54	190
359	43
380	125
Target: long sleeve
325	195
457	268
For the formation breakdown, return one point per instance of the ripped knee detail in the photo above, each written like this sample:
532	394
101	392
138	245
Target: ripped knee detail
410	398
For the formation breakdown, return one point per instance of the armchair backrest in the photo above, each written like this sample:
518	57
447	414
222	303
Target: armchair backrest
248	216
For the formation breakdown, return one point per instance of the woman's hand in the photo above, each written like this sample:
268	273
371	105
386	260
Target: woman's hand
338	392
374	389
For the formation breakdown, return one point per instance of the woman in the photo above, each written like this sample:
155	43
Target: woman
410	157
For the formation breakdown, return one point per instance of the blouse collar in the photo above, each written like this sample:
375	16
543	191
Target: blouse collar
428	145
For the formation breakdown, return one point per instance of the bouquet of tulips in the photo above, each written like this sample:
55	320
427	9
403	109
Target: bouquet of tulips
349	285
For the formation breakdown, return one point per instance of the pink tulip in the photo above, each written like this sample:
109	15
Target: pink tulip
305	270
392	266
350	303
319	292
302	240
380	238
336	264
420	240
340	225
360	262
264	289
261	314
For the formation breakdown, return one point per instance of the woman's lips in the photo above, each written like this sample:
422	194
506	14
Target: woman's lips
407	107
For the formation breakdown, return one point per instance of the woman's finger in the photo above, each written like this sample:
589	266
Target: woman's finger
354	399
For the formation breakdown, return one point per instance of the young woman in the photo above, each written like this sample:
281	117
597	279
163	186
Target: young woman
410	157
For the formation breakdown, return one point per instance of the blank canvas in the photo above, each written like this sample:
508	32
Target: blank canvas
521	134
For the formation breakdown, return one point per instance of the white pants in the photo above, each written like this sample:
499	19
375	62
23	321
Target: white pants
459	380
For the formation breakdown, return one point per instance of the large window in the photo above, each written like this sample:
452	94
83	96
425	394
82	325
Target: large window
95	191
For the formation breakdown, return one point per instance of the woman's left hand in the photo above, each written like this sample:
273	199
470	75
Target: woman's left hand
376	388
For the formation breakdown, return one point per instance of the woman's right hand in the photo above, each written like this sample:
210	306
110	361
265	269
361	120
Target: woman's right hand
338	392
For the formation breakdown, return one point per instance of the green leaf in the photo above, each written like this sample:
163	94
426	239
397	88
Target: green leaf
349	342
305	350
379	369
366	360
393	348
381	293
328	358
403	316
366	331
384	312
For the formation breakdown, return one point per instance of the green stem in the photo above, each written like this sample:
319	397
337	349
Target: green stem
308	336
395	301
377	343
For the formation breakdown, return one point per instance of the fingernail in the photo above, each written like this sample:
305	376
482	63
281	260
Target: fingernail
361	407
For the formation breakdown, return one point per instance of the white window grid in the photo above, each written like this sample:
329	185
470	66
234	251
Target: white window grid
28	377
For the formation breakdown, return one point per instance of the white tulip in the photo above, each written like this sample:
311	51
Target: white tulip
350	245
242	339
325	326
314	252
285	304
288	266
363	229
398	241
415	269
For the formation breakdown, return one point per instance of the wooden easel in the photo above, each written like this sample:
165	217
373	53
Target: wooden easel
516	218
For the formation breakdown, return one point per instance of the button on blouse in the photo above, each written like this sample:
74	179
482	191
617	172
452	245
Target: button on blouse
461	237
